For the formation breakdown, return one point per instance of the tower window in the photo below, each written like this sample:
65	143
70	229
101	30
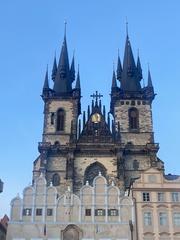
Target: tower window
60	120
56	180
135	165
52	118
133	118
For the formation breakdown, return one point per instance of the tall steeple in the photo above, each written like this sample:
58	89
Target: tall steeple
62	83
130	81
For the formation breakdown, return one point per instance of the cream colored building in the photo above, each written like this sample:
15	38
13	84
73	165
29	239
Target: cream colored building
100	212
157	202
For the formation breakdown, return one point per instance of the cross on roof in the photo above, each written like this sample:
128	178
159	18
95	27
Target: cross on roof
96	96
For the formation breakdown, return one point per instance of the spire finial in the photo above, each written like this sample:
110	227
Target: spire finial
127	27
65	26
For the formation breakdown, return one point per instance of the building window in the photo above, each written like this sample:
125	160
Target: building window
175	197
49	211
113	212
133	118
135	165
38	211
162	219
147	219
27	212
146	196
160	197
176	219
88	212
52	118
60	120
99	212
56	180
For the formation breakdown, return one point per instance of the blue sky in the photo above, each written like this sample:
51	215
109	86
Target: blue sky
31	31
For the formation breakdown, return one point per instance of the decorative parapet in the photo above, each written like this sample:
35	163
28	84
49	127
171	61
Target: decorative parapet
43	146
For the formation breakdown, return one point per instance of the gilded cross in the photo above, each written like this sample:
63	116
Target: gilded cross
96	96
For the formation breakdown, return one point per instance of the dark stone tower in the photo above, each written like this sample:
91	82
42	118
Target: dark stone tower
61	110
131	107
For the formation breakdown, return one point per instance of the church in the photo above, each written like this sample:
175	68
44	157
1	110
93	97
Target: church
97	176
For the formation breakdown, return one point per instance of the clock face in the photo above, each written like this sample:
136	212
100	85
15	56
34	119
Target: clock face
96	118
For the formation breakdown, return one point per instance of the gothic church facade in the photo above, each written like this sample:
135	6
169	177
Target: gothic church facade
83	179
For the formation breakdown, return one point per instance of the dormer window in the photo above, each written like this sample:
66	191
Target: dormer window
133	119
60	120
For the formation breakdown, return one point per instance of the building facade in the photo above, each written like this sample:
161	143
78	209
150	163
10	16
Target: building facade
82	185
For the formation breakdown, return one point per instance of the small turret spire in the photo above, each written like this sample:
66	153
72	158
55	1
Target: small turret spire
46	81
78	84
45	92
150	85
72	70
119	68
114	82
54	70
139	69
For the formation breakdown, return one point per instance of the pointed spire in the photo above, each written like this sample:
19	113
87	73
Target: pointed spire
129	80
150	85
72	70
114	82
78	84
45	92
119	68
139	69
46	81
88	112
54	70
62	83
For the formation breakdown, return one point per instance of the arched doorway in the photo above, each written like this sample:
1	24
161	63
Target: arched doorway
71	232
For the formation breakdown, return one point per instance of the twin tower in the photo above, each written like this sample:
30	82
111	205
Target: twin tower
119	144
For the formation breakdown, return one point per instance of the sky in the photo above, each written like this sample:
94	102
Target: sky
32	31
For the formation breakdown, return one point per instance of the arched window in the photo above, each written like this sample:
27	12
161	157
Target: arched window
56	180
93	170
60	119
133	119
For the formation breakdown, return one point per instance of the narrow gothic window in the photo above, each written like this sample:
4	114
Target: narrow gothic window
60	120
135	165
56	179
133	118
52	118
